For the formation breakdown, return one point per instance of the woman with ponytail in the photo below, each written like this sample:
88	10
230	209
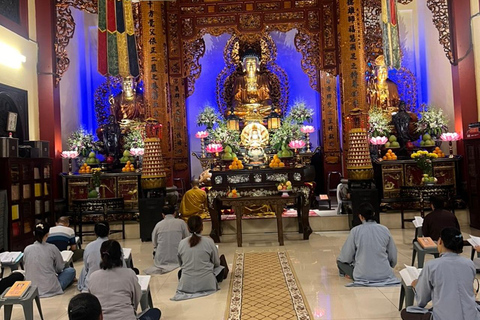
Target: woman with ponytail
44	265
448	282
201	268
116	287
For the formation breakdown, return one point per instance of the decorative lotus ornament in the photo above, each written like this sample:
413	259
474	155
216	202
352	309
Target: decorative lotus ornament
214	148
307	130
202	135
136	152
378	141
69	155
296	144
450	137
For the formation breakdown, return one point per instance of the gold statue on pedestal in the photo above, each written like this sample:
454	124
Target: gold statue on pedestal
128	105
382	92
254	138
251	91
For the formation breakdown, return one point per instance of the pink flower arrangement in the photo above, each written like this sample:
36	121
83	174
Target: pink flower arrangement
137	152
201	134
449	136
69	154
378	141
214	148
296	144
307	129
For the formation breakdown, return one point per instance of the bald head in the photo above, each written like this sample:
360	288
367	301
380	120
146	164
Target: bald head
195	183
64	221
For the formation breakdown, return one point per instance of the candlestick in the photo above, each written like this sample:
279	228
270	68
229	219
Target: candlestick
202	143
70	166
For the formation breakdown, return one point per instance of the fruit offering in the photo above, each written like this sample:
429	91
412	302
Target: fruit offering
439	152
276	162
233	194
128	167
92	159
85	168
392	142
286	185
390	155
285	152
126	157
228	154
427	141
236	164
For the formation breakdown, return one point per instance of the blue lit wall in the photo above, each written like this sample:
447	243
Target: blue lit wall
212	64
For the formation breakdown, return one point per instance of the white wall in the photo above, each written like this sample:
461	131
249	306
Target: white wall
24	78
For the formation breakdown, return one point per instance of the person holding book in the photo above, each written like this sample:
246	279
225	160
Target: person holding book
166	237
92	257
63	237
116	287
44	265
447	282
84	306
438	219
369	254
201	267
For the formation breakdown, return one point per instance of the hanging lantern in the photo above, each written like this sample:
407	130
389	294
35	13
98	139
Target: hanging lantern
233	122
274	121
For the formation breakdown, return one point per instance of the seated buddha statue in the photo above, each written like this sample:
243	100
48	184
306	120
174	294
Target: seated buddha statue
128	105
383	92
254	138
251	98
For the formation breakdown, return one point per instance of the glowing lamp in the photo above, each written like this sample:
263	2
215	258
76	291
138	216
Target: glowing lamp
214	148
201	134
233	122
378	141
307	129
296	144
450	137
69	155
11	57
274	121
137	152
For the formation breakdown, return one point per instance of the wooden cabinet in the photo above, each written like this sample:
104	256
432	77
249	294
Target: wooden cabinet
472	154
29	195
113	185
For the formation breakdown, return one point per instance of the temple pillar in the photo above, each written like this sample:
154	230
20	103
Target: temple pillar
475	9
463	73
48	93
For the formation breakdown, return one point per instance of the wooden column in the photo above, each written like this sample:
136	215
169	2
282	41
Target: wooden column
464	92
48	94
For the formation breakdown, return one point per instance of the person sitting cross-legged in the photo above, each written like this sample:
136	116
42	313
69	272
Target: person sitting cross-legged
166	237
84	306
63	237
369	254
194	202
448	282
438	219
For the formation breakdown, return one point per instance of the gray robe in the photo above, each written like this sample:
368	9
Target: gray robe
91	262
198	264
118	291
43	262
166	237
448	282
370	248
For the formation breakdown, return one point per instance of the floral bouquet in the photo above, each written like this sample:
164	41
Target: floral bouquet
222	135
432	120
82	142
96	177
208	117
301	113
377	123
287	132
424	162
134	138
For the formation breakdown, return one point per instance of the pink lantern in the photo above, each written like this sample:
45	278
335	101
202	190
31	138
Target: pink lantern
201	134
296	144
307	129
449	136
214	148
69	154
137	152
378	141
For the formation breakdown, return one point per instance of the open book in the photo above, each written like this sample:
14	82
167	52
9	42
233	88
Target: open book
418	222
143	281
67	256
409	274
10	257
474	241
127	252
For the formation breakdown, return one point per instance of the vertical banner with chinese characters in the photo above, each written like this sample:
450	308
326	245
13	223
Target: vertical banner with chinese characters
331	139
155	73
353	63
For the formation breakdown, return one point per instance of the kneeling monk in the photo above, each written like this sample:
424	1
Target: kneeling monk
194	202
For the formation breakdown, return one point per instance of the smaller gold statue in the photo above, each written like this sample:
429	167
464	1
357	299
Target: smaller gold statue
383	92
254	138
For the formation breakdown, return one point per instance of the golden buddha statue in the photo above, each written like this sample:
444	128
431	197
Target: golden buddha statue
129	104
251	100
382	92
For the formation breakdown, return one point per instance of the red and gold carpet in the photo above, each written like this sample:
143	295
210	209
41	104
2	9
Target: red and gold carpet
264	286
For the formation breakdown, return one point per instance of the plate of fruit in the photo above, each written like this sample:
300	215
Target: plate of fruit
390	155
392	143
236	164
233	194
129	167
85	168
284	187
276	162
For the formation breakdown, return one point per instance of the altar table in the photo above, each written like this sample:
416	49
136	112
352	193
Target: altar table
276	202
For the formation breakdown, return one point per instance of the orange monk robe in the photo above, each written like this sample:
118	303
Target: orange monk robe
194	202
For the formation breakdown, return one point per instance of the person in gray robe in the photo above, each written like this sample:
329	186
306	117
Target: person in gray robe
201	269
369	254
91	255
447	282
117	288
166	237
44	265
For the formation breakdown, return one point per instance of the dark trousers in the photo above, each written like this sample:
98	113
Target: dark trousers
10	280
415	316
345	268
222	275
151	314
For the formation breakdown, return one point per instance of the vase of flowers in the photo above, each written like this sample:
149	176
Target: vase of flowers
288	131
424	162
378	123
432	121
83	143
301	113
96	182
208	117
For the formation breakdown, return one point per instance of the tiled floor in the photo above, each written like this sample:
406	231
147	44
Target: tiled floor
314	263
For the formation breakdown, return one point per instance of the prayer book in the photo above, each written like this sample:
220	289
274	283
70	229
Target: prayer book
10	257
67	256
126	253
426	242
409	274
18	290
474	241
418	222
143	281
